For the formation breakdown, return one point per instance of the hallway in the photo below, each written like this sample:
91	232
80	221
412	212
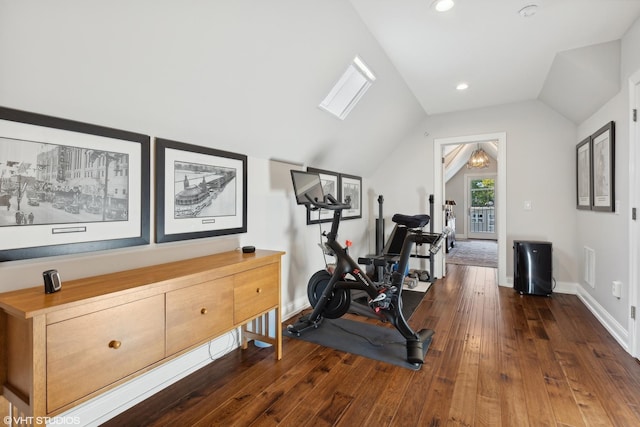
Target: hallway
473	252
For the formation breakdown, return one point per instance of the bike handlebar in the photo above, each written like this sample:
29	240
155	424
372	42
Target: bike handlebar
333	204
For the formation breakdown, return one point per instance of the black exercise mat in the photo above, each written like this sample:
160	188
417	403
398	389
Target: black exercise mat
364	339
410	301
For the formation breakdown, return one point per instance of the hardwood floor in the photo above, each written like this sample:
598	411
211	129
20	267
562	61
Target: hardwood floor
497	359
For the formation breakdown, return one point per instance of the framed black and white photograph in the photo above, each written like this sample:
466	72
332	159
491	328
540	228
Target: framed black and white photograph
351	192
200	192
330	185
603	155
69	187
583	174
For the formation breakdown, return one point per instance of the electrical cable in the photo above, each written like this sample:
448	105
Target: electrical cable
233	342
373	343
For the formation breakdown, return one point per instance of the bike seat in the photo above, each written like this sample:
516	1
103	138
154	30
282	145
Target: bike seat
411	221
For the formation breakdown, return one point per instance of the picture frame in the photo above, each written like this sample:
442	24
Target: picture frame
200	192
330	185
603	164
68	187
584	174
351	192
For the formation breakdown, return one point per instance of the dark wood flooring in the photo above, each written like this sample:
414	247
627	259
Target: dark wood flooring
497	359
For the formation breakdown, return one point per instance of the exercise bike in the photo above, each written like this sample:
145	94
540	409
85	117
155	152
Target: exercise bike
329	292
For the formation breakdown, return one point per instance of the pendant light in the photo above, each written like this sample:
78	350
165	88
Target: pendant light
479	159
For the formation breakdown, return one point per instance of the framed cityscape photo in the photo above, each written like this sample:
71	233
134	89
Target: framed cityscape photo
584	189
200	192
351	192
68	187
330	185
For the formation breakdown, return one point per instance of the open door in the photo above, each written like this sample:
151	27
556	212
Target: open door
634	226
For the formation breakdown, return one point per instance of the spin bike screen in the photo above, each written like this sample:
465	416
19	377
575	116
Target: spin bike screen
307	184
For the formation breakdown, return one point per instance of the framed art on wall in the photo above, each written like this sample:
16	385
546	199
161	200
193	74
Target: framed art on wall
584	175
603	155
200	191
330	185
351	192
69	187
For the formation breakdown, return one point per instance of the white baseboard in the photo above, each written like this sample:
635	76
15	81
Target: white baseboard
616	330
565	288
559	287
293	308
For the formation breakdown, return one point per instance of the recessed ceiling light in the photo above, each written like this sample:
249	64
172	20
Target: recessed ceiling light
528	10
462	86
443	5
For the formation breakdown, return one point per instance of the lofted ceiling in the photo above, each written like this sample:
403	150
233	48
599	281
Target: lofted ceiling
457	156
247	76
558	55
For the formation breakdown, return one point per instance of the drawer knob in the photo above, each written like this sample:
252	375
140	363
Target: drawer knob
203	310
115	344
259	290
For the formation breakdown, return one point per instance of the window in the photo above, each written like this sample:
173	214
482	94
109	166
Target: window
482	210
346	93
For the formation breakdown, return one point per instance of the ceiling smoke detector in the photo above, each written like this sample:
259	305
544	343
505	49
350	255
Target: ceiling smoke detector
528	11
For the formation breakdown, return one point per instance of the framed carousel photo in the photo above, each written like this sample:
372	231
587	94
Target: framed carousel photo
200	191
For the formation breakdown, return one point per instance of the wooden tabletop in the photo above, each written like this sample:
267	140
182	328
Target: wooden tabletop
29	302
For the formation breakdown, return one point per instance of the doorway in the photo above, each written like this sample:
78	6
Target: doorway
439	147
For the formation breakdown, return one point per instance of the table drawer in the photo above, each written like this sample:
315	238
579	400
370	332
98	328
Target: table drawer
255	291
199	312
92	351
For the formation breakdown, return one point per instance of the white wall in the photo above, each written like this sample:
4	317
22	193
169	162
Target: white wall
243	76
540	168
604	232
608	233
240	76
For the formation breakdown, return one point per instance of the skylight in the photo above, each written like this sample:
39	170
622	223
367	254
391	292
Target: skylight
346	93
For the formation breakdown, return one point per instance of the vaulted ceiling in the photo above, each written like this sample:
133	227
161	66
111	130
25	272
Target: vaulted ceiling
247	75
566	54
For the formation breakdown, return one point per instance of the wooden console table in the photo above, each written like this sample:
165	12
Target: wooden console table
57	350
